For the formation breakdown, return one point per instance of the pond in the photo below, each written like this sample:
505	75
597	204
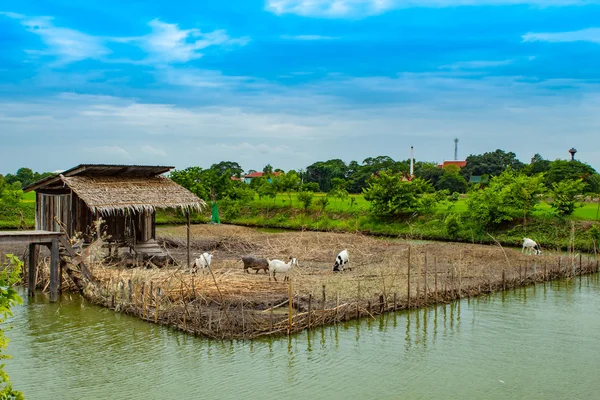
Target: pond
534	342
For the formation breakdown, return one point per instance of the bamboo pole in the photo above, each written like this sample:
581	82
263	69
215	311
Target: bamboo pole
290	308
408	289
435	278
188	239
426	265
309	310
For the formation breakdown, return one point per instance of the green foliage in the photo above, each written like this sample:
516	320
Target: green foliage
562	170
564	196
309	187
322	203
306	199
452	181
507	197
452	224
491	163
538	165
338	193
392	196
9	277
12	194
213	182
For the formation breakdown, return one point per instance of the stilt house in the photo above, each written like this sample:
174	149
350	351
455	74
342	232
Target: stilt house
125	197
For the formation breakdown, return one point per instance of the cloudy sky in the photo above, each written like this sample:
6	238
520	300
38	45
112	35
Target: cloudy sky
291	82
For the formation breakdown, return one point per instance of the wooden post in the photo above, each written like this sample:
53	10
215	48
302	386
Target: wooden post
459	281
381	304
435	278
309	310
417	301
453	287
156	304
580	264
122	292
54	256
271	314
545	271
290	308
337	304
503	279
357	311
408	289
130	289
426	289
31	278
395	301
189	260
324	298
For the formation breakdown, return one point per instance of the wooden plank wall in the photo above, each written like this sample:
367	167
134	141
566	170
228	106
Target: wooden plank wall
49	206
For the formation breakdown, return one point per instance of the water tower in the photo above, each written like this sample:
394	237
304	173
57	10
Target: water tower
573	151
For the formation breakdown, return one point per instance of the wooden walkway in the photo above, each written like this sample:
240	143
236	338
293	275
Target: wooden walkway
34	239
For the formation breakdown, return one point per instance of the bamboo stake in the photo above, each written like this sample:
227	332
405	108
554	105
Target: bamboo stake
426	288
290	309
408	290
435	278
309	310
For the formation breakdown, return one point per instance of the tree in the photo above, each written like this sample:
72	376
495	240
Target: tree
306	199
323	172
268	170
452	181
538	165
561	170
9	277
564	196
228	168
429	172
287	183
491	163
508	196
392	196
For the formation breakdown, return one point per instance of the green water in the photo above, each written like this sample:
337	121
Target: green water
541	342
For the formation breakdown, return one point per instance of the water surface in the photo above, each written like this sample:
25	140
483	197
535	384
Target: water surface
534	343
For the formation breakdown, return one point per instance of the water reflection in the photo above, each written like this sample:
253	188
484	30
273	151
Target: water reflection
80	351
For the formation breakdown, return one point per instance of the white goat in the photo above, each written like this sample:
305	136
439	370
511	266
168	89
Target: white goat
278	266
203	262
341	261
530	247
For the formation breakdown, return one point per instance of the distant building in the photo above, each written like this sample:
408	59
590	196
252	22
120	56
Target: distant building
458	163
248	177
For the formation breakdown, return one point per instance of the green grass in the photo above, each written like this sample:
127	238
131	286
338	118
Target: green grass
28	197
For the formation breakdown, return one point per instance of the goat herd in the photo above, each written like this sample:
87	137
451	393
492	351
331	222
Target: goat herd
271	267
341	263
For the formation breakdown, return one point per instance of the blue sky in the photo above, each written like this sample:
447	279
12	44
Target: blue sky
291	82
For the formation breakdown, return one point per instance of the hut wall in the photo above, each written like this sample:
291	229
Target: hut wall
145	226
50	207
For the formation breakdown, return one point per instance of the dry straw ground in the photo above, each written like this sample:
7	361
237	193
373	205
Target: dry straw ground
229	303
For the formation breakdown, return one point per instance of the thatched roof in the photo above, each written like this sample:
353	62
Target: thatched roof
111	194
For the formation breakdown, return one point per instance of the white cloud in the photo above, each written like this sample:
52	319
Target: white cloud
365	8
169	44
481	64
153	151
308	37
583	35
67	45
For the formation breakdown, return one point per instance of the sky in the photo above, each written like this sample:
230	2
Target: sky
292	82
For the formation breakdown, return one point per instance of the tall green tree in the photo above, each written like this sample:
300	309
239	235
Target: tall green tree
564	196
390	195
562	170
491	163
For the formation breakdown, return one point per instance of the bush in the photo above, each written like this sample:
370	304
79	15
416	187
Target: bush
306	199
453	225
322	202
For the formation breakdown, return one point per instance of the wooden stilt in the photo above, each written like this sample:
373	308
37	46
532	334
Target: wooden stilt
54	278
189	265
31	278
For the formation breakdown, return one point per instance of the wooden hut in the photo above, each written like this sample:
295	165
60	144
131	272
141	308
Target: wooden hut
125	197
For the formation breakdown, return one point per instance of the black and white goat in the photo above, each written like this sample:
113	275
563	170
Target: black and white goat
530	247
202	262
341	261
